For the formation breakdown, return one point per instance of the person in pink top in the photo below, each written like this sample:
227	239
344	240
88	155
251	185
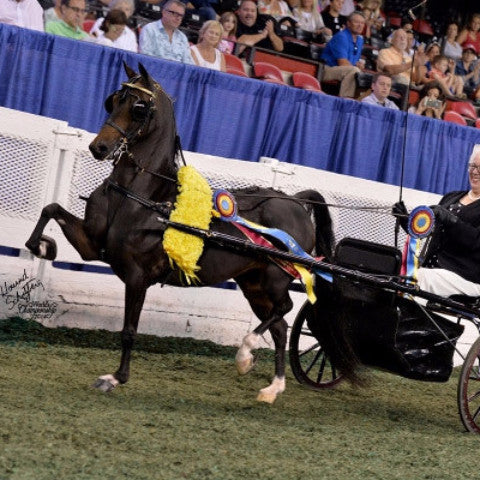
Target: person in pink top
471	34
22	13
443	71
228	21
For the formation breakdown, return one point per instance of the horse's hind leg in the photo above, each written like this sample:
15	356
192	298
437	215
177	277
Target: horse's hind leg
73	228
270	301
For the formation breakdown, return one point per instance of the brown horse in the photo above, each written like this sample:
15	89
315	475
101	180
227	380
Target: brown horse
121	227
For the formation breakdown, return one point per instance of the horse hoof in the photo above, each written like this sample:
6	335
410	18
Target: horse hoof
266	397
45	247
106	383
245	365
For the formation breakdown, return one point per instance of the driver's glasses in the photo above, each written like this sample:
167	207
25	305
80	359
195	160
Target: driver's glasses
472	167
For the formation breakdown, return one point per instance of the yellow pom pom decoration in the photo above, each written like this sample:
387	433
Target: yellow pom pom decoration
193	207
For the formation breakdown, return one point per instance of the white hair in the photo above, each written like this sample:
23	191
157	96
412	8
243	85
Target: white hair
475	153
114	3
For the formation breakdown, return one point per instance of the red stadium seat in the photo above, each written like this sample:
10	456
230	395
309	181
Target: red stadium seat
306	81
477	123
465	109
454	117
87	25
234	65
268	72
422	26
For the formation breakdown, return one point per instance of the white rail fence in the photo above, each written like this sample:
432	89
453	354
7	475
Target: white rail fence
44	161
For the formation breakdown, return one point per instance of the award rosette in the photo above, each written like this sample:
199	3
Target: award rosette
421	222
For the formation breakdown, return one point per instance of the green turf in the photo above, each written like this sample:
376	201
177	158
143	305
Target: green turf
185	414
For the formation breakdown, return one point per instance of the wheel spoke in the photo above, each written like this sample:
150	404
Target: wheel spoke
309	349
474	396
321	370
475	415
313	362
307	333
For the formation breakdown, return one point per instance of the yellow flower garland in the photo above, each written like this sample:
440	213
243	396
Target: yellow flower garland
193	207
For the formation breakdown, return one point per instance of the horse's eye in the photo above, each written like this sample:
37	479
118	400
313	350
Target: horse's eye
140	111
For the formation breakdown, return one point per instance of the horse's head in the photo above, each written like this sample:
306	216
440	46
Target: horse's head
132	114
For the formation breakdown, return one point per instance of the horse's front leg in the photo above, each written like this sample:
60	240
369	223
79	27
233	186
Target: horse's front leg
134	299
73	228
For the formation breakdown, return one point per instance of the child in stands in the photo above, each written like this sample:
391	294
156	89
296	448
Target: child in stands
442	71
228	21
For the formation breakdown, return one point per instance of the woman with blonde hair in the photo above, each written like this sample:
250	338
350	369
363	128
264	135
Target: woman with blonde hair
307	14
205	53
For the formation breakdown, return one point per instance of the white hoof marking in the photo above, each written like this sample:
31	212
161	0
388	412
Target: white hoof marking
244	357
269	394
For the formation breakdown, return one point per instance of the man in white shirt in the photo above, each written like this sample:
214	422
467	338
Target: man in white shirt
381	86
22	13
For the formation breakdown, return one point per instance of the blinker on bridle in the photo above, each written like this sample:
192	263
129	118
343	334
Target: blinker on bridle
141	112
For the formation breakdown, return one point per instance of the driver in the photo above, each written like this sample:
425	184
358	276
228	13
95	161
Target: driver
451	264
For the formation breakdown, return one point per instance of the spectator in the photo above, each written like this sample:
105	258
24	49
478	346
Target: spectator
332	18
443	71
348	7
22	13
70	25
112	28
276	8
205	53
54	13
421	73
342	55
395	60
431	103
451	48
254	29
452	256
204	8
471	34
127	40
309	19
469	69
381	87
411	43
163	38
228	21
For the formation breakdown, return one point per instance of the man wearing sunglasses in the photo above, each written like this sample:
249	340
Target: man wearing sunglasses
72	17
451	255
163	38
22	13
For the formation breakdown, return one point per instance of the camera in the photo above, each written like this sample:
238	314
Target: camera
433	103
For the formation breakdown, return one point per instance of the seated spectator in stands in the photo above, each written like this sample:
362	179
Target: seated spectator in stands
308	18
342	55
469	69
381	87
431	102
471	34
205	53
421	73
127	40
70	25
450	47
254	29
22	13
332	18
112	28
443	71
276	8
203	7
374	18
348	6
395	60
228	21
163	38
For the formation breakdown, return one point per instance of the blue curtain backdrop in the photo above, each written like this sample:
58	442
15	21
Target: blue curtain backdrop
225	115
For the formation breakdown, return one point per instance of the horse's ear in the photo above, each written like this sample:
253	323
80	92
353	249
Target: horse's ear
145	75
129	71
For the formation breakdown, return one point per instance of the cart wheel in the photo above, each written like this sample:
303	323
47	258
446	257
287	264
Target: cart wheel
310	365
469	389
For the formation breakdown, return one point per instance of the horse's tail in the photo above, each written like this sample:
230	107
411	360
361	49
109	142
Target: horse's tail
324	237
333	327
